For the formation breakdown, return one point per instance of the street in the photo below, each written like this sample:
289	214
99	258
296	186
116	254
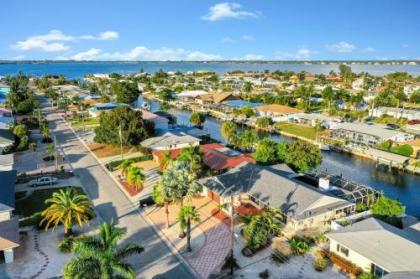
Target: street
156	261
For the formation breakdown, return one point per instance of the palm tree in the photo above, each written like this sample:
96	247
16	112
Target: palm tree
98	257
187	215
67	207
165	161
136	177
193	156
45	132
228	129
125	165
50	148
178	183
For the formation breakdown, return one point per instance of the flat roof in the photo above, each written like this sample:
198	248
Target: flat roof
363	128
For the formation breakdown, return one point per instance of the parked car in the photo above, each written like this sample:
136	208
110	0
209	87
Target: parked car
392	126
45	180
414	122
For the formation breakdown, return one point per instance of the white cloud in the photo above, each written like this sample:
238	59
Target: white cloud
145	54
247	38
369	49
250	56
55	40
91	54
342	47
302	53
103	36
52	41
228	40
227	10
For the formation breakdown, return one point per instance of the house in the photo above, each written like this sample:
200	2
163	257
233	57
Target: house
409	114
6	139
9	224
6	118
367	134
377	247
161	124
411	88
216	98
191	94
311	119
277	112
6	162
217	157
301	205
97	109
170	141
309	76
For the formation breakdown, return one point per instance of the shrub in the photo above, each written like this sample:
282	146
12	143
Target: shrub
66	244
32	220
344	264
264	274
279	257
360	207
299	245
320	263
366	275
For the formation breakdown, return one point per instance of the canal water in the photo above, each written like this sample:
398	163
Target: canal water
402	186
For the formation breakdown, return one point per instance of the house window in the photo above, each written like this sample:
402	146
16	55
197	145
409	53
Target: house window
343	250
378	271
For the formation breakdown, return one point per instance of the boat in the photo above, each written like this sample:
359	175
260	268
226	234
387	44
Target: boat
145	105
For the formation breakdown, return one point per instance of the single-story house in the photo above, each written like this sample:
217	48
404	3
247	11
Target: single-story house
277	112
377	247
409	114
191	94
6	162
97	109
301	205
368	134
312	118
9	224
161	124
6	139
217	157
170	141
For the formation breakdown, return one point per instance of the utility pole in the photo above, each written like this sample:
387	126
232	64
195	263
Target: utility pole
56	153
121	145
232	215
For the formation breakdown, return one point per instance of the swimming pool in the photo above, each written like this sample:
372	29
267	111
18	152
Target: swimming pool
241	103
3	94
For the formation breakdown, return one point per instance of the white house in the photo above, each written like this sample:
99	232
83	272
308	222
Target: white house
277	112
170	141
409	114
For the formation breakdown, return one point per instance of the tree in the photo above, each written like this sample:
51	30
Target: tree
282	151
178	183
247	87
20	130
125	92
228	130
186	216
50	148
248	138
328	95
261	226
264	122
247	111
165	160
125	165
67	207
386	207
98	256
266	152
136	177
197	118
194	157
345	72
133	128
303	156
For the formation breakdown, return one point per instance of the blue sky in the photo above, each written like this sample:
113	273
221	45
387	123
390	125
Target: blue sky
210	30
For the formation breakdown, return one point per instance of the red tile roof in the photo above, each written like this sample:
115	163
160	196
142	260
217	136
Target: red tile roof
216	156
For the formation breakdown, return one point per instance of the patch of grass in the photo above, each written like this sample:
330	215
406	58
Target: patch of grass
402	149
89	122
386	119
106	150
297	129
35	202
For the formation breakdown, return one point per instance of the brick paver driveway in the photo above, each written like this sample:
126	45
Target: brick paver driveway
208	255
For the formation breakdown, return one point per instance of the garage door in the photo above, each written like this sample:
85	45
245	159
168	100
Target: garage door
213	196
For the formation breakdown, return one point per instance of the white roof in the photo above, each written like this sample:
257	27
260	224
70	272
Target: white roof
168	139
387	246
373	129
192	93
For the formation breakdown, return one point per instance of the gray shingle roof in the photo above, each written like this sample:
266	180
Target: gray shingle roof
391	248
7	187
168	140
273	185
6	136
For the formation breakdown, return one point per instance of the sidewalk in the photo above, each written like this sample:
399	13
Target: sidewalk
211	239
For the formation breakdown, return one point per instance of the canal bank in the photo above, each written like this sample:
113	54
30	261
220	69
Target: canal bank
398	185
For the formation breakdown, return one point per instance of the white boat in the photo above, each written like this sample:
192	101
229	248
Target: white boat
145	105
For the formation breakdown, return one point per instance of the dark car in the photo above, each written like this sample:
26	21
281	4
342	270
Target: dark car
392	126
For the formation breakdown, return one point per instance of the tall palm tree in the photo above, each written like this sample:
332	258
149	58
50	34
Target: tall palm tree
228	129
136	177
165	160
67	207
194	157
98	257
125	165
186	216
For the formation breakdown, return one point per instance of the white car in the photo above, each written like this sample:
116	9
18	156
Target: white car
45	180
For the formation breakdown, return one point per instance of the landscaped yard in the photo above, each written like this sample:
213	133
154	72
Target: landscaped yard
36	201
296	129
387	119
89	122
106	150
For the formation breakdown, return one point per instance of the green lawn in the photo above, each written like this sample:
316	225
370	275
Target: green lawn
89	122
386	119
296	129
36	201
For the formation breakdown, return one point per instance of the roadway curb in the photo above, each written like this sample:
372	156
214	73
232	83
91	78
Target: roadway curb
144	216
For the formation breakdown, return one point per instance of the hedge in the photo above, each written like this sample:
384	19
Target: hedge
114	164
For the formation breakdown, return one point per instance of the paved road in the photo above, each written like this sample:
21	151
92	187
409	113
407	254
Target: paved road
110	202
